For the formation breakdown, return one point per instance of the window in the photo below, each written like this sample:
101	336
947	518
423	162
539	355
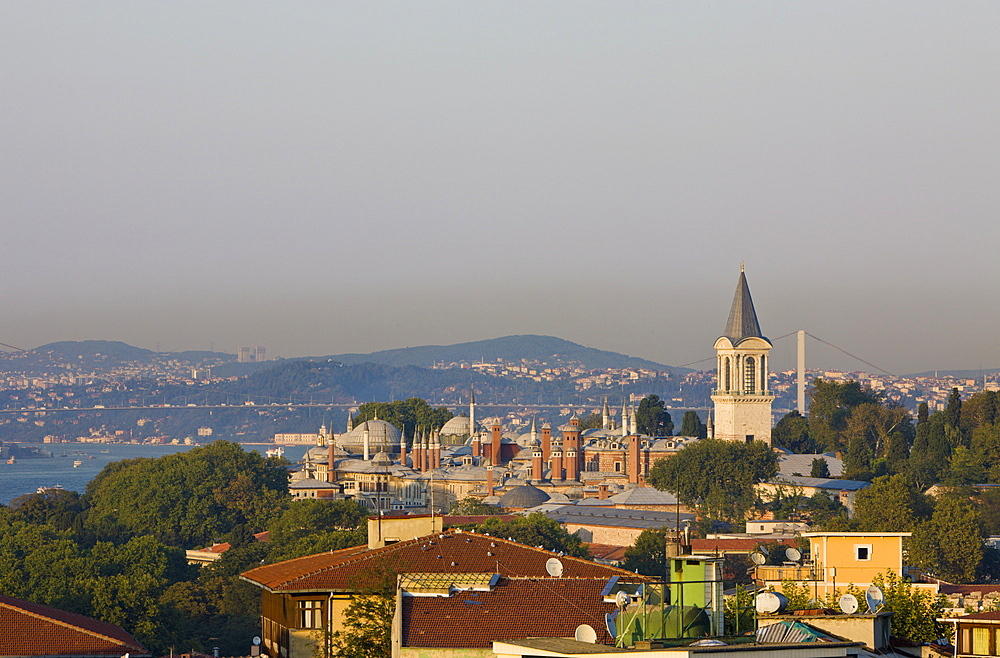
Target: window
310	614
749	375
726	381
618	467
863	552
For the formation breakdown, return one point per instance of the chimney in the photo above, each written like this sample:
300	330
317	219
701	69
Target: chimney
571	464
489	480
546	442
632	459
476	445
536	466
602	492
557	463
402	449
495	442
435	451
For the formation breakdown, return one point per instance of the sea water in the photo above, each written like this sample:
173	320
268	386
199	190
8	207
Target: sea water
26	475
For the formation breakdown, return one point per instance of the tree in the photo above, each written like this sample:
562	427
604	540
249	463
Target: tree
720	474
652	419
648	554
950	544
819	468
593	420
792	432
367	629
914	611
691	425
891	504
187	499
536	529
830	404
470	506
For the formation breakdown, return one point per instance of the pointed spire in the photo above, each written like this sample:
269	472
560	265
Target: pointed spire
742	316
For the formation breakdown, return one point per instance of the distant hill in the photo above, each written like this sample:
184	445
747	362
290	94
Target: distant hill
546	349
96	356
957	374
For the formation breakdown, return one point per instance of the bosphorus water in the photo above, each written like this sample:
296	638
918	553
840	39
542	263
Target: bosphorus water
25	476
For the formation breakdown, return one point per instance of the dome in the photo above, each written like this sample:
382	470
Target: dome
457	426
569	428
523	497
382	437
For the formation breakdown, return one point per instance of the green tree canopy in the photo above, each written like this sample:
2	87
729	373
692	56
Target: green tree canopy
187	499
535	529
691	425
891	504
648	555
830	405
792	433
721	474
652	418
950	544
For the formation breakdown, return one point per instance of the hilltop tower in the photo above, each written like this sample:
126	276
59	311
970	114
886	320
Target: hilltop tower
741	397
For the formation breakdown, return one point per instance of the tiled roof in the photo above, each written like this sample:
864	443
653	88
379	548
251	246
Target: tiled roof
515	608
790	464
946	588
980	616
30	629
351	569
644	496
611	517
822	483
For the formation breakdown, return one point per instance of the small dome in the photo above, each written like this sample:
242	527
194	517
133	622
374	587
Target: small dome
523	497
569	428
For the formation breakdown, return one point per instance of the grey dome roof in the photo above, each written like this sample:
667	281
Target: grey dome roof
382	436
457	426
523	497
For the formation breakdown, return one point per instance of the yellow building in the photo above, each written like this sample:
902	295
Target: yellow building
839	559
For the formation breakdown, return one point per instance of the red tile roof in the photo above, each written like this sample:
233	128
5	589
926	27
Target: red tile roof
30	629
946	588
515	608
351	569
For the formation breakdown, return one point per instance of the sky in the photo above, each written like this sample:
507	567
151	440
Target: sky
330	177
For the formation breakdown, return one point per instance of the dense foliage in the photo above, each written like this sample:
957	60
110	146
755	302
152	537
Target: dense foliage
116	553
535	529
407	415
652	418
717	477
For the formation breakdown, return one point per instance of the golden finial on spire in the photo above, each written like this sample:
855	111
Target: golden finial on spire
741	266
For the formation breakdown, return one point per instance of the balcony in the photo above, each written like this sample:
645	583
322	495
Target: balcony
773	573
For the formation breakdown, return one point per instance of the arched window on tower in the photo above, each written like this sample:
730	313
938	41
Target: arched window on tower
727	380
749	375
763	373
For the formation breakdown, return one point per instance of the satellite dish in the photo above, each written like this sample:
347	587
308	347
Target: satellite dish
621	599
768	603
554	567
762	549
256	641
758	558
874	598
585	633
609	623
848	604
793	554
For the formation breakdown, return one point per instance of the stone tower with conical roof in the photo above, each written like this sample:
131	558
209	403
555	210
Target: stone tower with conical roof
741	397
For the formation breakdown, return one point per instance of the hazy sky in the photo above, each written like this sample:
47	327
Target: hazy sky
336	177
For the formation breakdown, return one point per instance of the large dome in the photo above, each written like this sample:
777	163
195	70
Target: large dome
457	426
523	497
382	437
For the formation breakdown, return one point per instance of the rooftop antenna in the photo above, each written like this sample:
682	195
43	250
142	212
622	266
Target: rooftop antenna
874	598
848	604
585	633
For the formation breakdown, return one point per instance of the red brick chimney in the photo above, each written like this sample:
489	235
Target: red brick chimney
572	464
546	442
495	442
489	480
602	492
557	463
537	473
331	471
476	446
632	459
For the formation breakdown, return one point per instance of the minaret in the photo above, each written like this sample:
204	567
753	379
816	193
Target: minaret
741	397
710	427
625	423
472	410
534	432
633	422
605	415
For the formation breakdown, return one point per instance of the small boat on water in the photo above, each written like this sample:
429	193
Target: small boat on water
275	452
11	460
77	463
52	487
